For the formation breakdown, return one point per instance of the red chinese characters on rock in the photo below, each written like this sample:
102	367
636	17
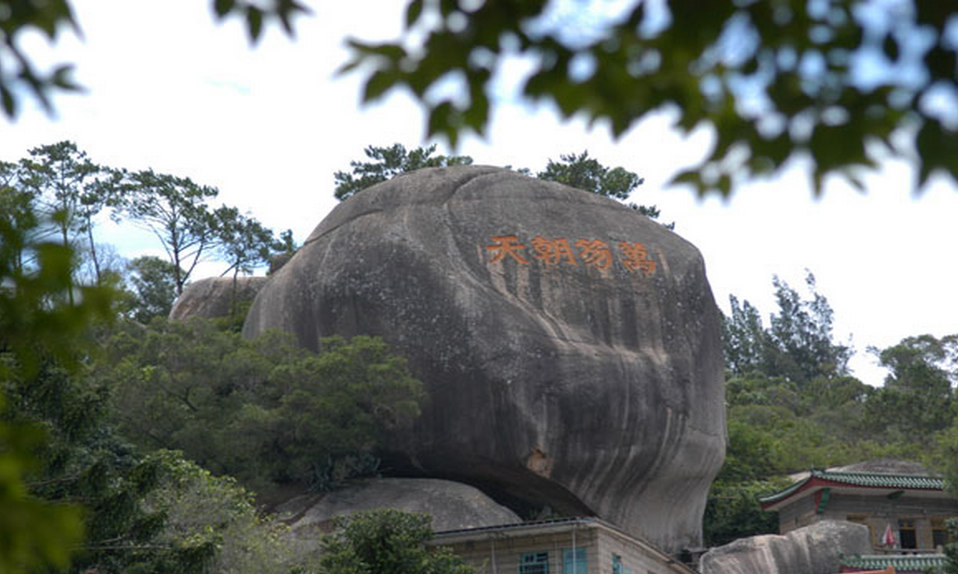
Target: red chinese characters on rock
503	245
634	256
595	252
553	251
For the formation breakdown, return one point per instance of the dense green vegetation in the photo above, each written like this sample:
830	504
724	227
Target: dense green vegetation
106	407
793	406
262	410
386	541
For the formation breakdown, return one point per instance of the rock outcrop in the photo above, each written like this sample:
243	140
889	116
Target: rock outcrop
570	345
214	297
451	505
815	549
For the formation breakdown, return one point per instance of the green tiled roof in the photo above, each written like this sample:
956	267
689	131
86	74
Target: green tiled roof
900	562
902	481
868	479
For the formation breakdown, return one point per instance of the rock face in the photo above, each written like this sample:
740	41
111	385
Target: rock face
213	297
570	346
815	549
451	505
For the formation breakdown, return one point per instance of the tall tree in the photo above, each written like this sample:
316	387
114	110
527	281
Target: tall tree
58	175
799	345
243	242
153	284
69	192
388	162
744	339
19	216
802	333
175	210
586	173
918	399
65	181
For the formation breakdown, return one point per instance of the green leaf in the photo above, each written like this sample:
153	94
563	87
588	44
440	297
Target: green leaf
413	12
441	121
392	52
254	22
725	185
223	7
447	7
349	66
378	84
9	104
62	78
890	48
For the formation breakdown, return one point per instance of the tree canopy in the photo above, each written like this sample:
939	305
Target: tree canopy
575	170
776	80
386	541
798	345
827	81
386	163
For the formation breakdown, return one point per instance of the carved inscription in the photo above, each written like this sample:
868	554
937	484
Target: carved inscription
635	257
503	245
597	253
553	251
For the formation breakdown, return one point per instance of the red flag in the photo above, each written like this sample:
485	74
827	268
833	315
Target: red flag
888	538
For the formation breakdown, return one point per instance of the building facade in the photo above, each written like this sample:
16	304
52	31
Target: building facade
564	546
904	513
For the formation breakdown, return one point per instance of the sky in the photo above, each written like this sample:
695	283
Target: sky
170	89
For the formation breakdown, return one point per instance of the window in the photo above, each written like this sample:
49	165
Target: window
534	563
616	564
939	532
906	534
573	562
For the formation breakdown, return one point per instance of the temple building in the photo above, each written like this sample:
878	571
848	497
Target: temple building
903	506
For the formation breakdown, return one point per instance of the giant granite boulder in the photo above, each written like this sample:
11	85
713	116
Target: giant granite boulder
815	549
570	346
215	297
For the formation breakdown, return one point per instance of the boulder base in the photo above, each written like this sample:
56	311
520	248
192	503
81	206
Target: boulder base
815	549
451	505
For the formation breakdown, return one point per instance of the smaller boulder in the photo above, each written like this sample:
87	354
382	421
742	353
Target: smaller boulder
215	297
452	505
277	261
814	549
